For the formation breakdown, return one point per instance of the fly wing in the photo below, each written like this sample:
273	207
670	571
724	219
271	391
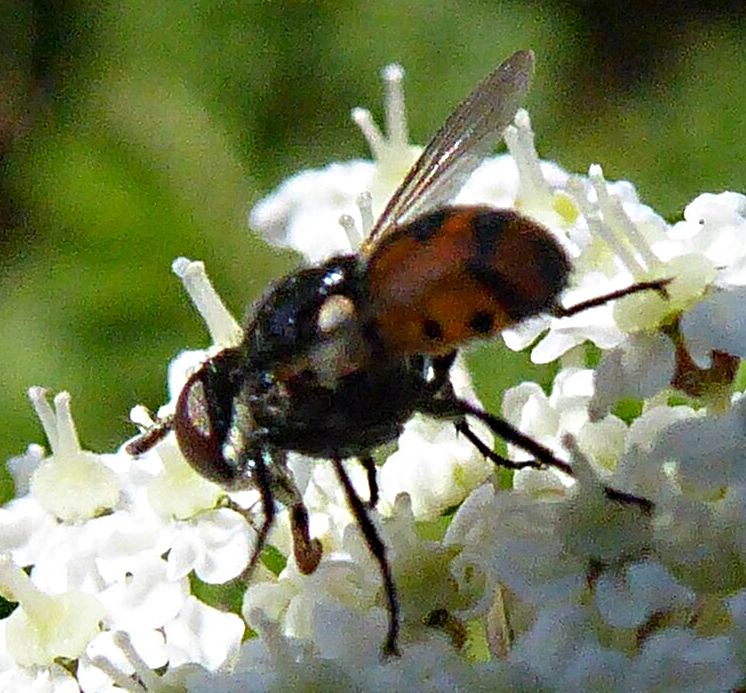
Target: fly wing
468	136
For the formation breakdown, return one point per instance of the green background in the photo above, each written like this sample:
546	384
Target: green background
135	132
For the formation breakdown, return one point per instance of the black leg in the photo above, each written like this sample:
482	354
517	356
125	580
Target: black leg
657	285
151	437
378	550
464	429
264	485
307	551
457	408
454	408
370	469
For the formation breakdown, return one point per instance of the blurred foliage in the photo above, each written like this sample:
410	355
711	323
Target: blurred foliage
135	132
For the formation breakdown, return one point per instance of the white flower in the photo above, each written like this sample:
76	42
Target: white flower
202	635
433	464
639	368
25	530
542	417
595	223
694	542
717	323
714	225
327	504
616	241
292	600
513	539
72	484
78	557
113	663
641	590
46	626
215	545
143	598
436	466
52	679
347	583
707	291
709	451
676	660
304	213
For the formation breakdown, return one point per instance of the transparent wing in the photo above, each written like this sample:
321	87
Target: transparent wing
469	135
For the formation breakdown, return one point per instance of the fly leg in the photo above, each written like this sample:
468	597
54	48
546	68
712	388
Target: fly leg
307	551
263	482
370	468
488	453
455	408
378	550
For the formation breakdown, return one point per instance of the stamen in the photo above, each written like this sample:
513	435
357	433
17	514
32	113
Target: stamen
223	328
598	228
120	679
46	415
68	442
520	141
58	423
354	237
392	153
365	207
583	471
151	681
616	217
397	130
376	141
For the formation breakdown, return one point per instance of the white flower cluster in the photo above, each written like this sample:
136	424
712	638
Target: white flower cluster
550	585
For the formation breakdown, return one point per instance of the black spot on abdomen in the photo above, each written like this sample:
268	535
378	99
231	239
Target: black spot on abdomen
488	226
482	322
424	227
432	329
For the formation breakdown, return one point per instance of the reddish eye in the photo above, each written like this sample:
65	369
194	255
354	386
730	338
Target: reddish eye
203	417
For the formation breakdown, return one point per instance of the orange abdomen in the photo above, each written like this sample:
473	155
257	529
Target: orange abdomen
458	273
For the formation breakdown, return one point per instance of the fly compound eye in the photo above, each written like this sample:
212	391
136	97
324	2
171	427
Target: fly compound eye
194	409
198	439
209	426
